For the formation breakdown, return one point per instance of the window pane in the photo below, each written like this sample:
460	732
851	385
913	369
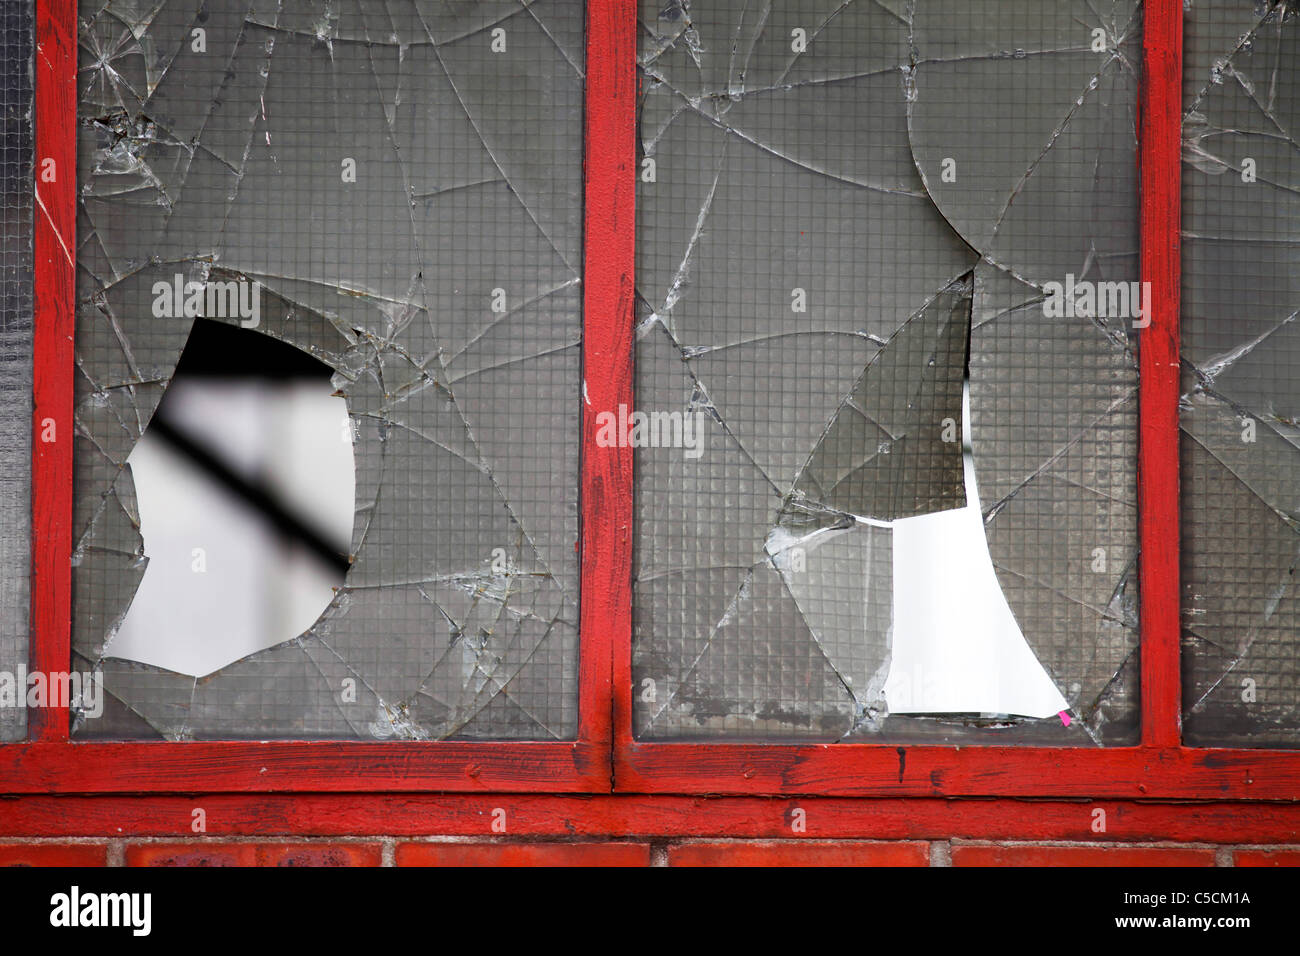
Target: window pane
392	193
850	217
15	355
1240	353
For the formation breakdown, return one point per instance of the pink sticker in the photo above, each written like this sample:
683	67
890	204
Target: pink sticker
1065	718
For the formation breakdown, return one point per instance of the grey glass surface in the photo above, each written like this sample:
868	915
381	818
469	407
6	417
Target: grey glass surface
16	226
403	181
842	209
1240	354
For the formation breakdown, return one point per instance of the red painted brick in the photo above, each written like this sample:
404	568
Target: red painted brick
254	854
53	854
1266	858
978	855
191	854
319	854
798	853
523	854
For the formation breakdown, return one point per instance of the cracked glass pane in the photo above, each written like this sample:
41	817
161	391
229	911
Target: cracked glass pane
1240	351
392	189
852	216
15	354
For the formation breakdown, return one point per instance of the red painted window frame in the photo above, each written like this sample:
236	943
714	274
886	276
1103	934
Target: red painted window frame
605	756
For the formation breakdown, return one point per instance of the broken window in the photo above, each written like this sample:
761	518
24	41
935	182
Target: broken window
886	388
1240	409
393	190
851	215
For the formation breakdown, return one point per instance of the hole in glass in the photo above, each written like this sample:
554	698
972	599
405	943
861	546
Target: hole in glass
246	487
956	645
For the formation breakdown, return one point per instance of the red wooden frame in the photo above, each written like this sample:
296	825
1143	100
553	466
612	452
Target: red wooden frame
606	757
535	816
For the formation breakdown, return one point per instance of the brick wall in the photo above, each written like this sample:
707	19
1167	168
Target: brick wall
450	851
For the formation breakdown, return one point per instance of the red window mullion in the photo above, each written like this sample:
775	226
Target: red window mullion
607	342
52	362
1160	148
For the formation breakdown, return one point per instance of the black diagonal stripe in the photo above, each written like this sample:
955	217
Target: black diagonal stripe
258	497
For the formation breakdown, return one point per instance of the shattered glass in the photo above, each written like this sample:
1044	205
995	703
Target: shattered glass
400	182
15	349
845	210
1240	407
